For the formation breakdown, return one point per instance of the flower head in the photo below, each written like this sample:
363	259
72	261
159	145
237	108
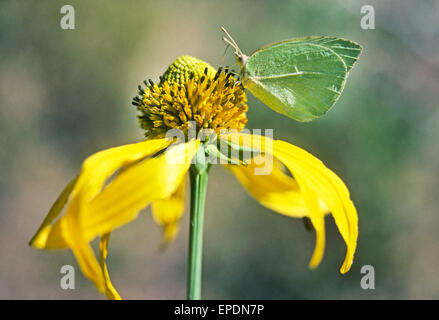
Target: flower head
298	184
191	90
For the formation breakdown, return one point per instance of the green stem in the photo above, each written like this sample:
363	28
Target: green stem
198	180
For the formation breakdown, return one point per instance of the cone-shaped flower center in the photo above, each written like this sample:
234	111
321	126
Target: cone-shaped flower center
191	90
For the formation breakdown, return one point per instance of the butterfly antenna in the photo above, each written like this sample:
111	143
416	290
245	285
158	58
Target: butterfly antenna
224	55
230	41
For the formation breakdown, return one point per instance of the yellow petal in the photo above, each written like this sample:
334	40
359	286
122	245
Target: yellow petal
316	182
281	193
316	216
137	187
318	222
39	240
110	291
95	171
276	190
168	211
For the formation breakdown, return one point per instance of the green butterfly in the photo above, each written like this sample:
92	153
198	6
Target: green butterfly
301	78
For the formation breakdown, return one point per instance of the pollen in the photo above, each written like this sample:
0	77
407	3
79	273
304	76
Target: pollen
191	90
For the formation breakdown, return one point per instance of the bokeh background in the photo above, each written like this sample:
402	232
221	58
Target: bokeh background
65	94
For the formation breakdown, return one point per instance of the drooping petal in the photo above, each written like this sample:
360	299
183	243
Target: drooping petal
281	193
39	240
317	183
316	216
167	213
276	190
110	291
328	187
49	235
96	169
137	187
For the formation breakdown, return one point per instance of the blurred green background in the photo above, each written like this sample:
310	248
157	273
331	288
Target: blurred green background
65	94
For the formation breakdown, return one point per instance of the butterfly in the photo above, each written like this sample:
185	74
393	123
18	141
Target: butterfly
301	78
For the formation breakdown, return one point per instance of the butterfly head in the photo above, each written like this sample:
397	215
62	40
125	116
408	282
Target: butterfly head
241	59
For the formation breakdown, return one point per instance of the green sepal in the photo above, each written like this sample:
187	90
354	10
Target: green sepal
201	165
243	149
212	150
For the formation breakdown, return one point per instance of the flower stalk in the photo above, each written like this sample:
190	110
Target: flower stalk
198	178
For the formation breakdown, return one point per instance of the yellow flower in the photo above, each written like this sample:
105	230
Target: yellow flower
190	91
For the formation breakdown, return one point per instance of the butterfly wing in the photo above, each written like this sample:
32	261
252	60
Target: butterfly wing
301	78
348	50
